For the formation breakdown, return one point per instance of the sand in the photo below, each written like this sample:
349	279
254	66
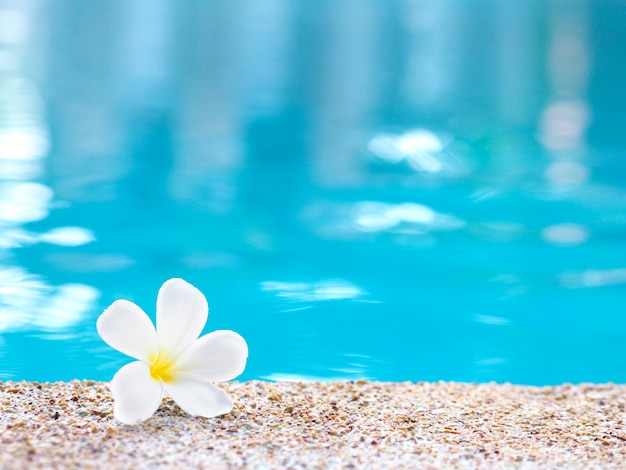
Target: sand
356	425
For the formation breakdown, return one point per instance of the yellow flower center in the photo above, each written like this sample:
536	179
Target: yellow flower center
161	368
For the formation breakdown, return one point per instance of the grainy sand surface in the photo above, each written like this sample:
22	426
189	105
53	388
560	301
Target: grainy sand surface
322	425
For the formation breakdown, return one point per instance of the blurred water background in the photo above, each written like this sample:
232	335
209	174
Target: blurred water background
393	190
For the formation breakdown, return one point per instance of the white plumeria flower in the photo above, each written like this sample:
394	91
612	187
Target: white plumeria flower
171	358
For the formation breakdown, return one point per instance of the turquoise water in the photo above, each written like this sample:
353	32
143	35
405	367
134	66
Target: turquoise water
391	190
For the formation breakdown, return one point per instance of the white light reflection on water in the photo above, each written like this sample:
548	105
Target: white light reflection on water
372	216
20	170
593	278
564	125
355	367
28	302
20	295
492	320
29	143
15	237
566	234
419	145
566	174
24	201
14	26
68	236
338	220
423	151
67	306
334	289
24	138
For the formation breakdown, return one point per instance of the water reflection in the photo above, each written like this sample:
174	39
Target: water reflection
423	151
29	301
564	123
67	236
567	174
15	25
565	234
23	144
492	320
443	161
67	306
24	202
563	127
594	278
408	217
333	289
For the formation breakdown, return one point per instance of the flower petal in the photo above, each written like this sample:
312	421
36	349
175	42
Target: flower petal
199	398
137	395
182	312
125	327
216	357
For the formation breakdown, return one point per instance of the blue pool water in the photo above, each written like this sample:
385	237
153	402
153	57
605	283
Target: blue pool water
401	190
